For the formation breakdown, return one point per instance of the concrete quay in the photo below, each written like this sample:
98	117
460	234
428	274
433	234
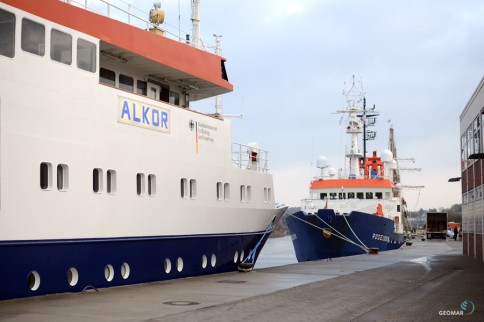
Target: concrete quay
428	281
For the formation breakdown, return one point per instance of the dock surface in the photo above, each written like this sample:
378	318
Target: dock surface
427	281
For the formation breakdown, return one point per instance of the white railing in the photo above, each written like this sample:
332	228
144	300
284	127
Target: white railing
248	157
127	13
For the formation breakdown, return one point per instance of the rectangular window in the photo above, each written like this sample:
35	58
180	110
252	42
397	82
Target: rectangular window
153	92
126	82
359	195
184	187
62	177
369	195
151	185
219	191
141	87
140	184
86	55
332	195
342	195
107	77
97	180
249	193
61	47
33	37
7	34
111	181
379	195
265	195
193	188
351	195
226	191
242	193
45	175
174	98
269	194
323	196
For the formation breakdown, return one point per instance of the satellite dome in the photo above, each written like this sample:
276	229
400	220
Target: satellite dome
387	156
322	162
332	172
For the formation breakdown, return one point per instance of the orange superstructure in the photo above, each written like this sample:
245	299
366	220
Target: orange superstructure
170	53
351	183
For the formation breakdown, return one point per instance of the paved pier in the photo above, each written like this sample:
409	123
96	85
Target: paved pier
423	282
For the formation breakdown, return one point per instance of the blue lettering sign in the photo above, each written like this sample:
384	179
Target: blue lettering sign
125	110
136	119
164	119
155	117
145	115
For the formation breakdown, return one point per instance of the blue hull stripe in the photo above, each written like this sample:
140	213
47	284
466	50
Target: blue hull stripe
145	256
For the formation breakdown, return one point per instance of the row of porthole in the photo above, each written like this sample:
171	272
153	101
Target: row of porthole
33	278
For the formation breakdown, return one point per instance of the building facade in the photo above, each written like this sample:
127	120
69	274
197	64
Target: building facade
472	168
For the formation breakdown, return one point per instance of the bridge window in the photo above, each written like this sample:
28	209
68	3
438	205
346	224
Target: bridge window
107	77
174	98
369	195
379	195
323	195
141	87
126	82
7	34
351	195
86	55
332	195
359	195
342	195
60	47
33	37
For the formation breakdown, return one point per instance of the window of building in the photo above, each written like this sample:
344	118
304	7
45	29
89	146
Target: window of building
107	77
379	195
226	191
151	185
153	92
60	47
332	195
45	175
140	184
33	37
7	34
359	195
249	193
86	55
184	187
323	195
126	82
219	191
174	98
193	188
141	87
97	180
351	195
62	177
369	195
111	181
342	195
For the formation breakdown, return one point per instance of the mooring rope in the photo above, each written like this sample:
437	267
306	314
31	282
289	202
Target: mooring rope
343	237
362	243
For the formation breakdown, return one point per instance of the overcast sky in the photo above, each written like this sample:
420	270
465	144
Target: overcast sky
420	61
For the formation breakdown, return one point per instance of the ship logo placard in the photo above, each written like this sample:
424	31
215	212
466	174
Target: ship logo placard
143	115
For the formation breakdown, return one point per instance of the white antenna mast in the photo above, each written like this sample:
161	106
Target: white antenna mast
218	51
196	41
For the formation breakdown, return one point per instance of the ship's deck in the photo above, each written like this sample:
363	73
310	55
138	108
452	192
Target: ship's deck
417	282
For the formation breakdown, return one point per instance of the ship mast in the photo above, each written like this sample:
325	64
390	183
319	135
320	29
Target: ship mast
196	39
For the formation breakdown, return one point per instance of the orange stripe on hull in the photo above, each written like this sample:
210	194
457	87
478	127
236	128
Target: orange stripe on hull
351	183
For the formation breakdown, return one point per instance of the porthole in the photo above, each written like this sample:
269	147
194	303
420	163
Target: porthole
242	256
125	270
204	261
72	276
109	273
179	264
167	265
33	281
213	260
236	256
